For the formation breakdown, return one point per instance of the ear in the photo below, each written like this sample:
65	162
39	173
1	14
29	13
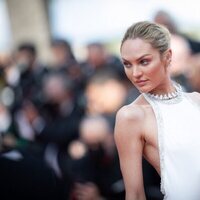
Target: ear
168	57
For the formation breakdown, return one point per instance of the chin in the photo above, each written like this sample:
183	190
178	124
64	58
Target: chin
144	89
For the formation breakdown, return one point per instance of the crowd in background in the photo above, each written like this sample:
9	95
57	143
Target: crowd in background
57	121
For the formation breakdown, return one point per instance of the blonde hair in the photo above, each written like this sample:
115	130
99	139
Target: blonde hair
157	35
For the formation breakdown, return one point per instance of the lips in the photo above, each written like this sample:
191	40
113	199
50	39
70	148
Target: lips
141	82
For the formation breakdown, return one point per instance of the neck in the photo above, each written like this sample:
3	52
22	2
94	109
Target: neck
166	92
164	88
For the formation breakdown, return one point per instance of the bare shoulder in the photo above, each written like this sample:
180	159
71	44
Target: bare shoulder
130	112
134	111
130	118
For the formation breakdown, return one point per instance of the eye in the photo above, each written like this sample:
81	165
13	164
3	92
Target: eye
127	65
144	62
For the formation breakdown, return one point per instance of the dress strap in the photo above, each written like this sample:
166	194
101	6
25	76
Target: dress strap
160	129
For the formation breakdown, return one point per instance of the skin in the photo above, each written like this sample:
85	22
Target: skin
135	128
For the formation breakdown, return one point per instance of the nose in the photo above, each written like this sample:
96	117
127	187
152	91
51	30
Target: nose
136	72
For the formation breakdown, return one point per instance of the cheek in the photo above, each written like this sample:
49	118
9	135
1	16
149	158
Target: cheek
155	71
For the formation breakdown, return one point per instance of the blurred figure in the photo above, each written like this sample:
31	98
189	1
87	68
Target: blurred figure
100	99
62	53
77	165
164	18
99	59
56	119
100	176
86	191
65	62
194	74
25	176
49	127
9	77
181	56
95	130
61	116
31	73
7	137
60	108
5	62
182	49
1	142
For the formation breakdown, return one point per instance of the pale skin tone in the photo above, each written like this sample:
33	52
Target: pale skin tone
146	69
136	128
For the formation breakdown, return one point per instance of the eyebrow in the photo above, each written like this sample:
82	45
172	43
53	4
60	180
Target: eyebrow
137	58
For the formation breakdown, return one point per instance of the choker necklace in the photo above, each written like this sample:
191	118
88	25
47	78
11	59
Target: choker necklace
168	96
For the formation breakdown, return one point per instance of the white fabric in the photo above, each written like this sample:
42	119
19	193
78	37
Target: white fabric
179	147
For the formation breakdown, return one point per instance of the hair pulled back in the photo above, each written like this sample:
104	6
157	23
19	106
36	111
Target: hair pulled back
157	35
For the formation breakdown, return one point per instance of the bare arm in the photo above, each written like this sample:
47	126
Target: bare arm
129	141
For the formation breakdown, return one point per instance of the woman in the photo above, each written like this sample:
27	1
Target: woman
162	124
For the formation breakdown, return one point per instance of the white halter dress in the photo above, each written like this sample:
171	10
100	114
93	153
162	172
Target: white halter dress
178	123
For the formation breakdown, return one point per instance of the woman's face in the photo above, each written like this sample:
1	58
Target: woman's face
143	64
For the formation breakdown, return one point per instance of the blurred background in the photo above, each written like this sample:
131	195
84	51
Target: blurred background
61	84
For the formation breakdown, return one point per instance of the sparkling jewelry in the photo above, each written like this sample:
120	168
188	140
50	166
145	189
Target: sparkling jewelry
168	96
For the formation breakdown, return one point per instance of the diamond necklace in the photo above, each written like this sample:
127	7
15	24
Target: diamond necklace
168	96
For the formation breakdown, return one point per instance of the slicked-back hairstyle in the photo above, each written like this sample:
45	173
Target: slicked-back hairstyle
157	35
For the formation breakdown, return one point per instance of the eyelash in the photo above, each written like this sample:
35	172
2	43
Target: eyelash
144	62
127	65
